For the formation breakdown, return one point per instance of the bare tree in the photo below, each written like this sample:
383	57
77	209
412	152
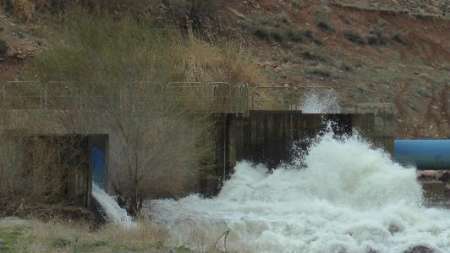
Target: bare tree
119	70
157	146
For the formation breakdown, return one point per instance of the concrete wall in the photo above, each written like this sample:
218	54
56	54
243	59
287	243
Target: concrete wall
28	130
267	136
42	122
377	128
259	136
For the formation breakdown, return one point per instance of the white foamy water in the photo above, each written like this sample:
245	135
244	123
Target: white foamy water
320	102
349	199
114	213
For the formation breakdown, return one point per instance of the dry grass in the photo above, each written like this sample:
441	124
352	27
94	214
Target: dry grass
225	63
34	236
59	237
430	120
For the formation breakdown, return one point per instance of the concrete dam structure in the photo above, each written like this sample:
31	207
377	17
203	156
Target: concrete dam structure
268	137
246	129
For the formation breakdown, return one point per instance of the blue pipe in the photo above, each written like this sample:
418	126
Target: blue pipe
424	154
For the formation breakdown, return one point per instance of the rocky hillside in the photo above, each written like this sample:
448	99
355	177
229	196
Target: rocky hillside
366	55
371	51
421	7
16	45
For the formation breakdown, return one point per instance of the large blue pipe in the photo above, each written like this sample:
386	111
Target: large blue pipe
425	154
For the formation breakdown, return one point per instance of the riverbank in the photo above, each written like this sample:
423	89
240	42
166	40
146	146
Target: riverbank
19	235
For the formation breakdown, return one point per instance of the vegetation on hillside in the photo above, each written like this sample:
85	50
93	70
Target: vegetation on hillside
123	70
365	50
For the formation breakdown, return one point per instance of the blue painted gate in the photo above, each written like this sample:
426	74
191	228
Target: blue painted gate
98	165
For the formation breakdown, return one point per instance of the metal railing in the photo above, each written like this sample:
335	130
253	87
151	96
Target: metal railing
199	96
31	95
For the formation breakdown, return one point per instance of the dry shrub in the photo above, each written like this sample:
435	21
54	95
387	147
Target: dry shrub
145	233
24	9
226	63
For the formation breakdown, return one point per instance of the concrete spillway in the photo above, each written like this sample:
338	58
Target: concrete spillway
426	154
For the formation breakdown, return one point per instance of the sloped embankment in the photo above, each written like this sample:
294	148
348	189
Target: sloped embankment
367	55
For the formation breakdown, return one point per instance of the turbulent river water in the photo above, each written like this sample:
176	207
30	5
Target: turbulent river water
349	198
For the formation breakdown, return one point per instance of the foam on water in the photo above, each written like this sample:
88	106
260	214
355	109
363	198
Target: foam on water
324	101
114	213
350	198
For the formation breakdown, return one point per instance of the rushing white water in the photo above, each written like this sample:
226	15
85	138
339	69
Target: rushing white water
350	198
320	102
114	213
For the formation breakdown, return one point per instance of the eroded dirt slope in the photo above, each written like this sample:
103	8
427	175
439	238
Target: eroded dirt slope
17	44
371	51
367	56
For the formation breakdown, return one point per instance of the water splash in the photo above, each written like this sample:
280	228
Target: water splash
320	102
350	198
114	213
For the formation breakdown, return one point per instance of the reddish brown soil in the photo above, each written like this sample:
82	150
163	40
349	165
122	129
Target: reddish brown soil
418	60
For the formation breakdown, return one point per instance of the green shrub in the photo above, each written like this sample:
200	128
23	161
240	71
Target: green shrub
297	3
276	36
397	37
100	48
196	11
311	56
262	33
271	34
322	19
325	26
296	36
376	40
272	28
3	48
283	35
354	37
320	72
